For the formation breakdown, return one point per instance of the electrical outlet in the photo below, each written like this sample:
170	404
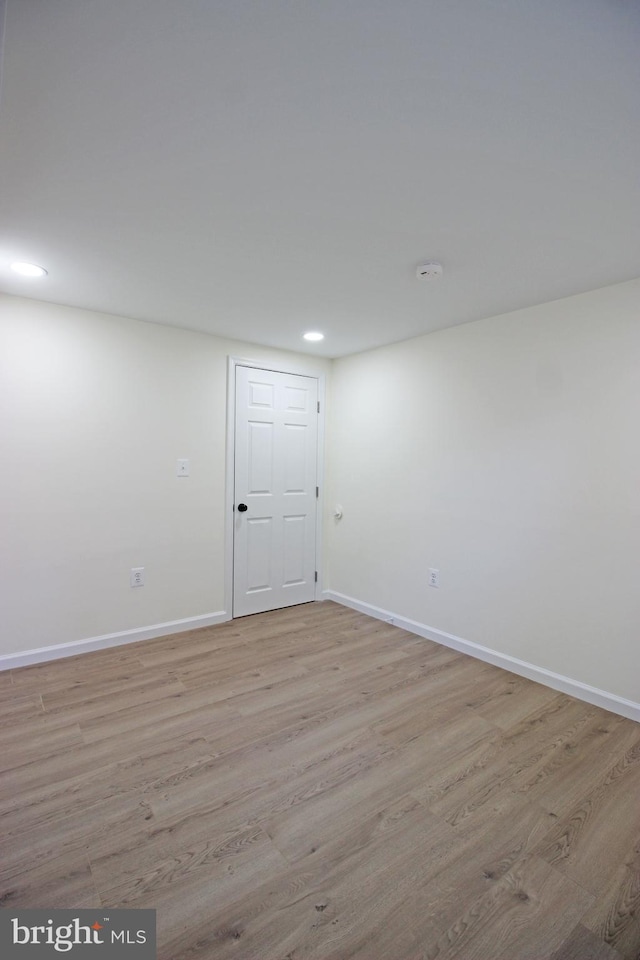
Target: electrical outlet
434	577
136	578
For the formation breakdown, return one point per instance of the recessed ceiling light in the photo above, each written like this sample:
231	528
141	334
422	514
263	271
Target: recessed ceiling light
28	269
312	335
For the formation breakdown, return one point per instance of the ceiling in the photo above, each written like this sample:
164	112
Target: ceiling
258	168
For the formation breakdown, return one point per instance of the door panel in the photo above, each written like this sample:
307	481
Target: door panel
295	443
259	549
260	458
261	395
296	399
293	546
276	434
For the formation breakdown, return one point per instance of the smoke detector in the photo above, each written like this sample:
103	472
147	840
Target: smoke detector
429	271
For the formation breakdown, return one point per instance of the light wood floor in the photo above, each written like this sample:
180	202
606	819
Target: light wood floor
311	783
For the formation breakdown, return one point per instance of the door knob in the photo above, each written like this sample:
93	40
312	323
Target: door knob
242	507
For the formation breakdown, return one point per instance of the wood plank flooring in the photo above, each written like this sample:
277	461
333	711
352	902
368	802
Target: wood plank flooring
312	784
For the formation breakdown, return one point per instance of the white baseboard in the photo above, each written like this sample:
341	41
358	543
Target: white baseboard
575	688
42	654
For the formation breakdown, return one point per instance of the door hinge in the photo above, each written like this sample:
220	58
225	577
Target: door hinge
318	406
317	492
316	580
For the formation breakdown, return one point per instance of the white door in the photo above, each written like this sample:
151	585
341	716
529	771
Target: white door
276	435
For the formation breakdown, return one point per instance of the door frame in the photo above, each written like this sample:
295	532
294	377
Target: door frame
230	447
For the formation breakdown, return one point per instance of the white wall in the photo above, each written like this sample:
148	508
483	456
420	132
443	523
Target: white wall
505	453
94	412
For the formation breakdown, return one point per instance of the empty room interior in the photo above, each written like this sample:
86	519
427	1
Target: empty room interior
319	406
